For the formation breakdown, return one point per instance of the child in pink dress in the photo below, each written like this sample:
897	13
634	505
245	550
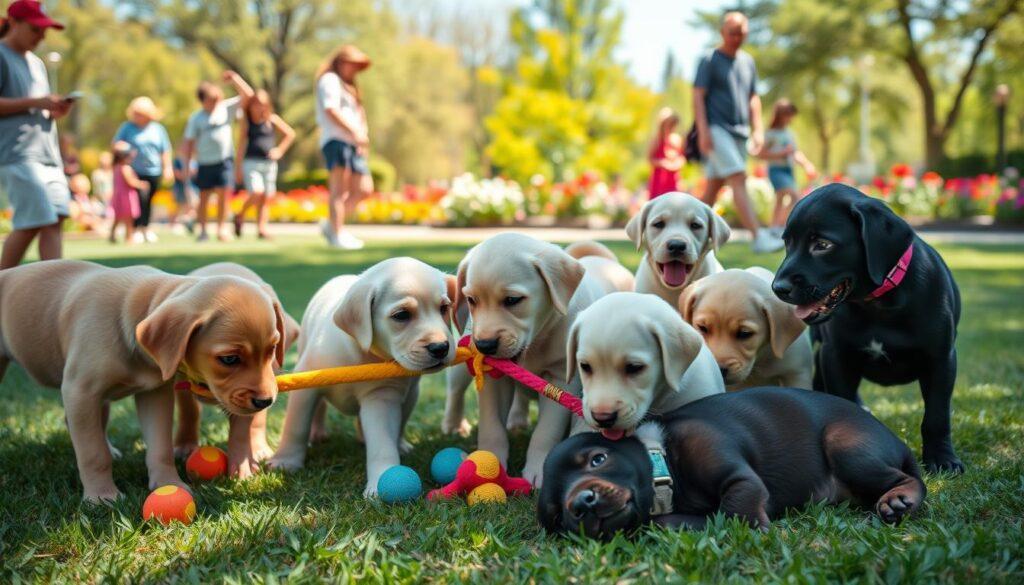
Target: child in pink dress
666	155
125	201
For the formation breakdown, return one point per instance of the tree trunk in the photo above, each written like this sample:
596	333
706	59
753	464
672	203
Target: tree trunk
935	149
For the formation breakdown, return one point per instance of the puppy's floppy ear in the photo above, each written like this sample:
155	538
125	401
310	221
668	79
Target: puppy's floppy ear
637	225
561	273
549	506
355	313
287	328
165	334
572	343
783	326
718	230
679	344
884	234
452	285
292	330
688	301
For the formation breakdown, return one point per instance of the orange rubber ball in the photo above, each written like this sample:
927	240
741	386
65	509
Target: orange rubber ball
488	493
487	464
168	504
206	463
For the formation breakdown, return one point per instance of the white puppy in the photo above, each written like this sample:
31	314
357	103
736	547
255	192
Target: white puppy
398	309
636	356
523	295
679	235
755	337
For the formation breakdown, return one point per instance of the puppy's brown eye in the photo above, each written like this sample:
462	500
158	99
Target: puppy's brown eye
229	360
401	316
598	459
821	245
634	369
744	334
445	308
658	224
702	329
511	301
471	301
695	226
585	367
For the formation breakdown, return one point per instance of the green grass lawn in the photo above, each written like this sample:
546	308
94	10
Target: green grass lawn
315	524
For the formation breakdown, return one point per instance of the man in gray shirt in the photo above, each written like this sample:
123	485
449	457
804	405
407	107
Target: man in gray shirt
31	171
727	112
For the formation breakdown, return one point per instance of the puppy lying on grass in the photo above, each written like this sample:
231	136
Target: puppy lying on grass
101	334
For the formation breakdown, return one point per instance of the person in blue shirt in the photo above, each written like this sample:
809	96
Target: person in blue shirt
152	146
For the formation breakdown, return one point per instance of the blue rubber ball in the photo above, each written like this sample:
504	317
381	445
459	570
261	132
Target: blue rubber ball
445	464
399	484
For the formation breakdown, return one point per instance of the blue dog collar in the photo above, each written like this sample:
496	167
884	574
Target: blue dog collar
662	483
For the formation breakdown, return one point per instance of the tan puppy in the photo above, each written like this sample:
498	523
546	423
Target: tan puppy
636	357
247	435
603	266
398	309
101	334
679	235
523	296
757	340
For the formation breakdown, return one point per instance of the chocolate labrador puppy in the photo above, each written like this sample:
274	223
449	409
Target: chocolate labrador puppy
880	301
750	454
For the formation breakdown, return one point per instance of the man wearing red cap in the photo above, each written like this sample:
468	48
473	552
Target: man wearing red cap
31	172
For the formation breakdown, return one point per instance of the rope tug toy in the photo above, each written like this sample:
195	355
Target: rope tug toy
478	364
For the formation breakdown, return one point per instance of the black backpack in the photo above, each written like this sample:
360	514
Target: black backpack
691	146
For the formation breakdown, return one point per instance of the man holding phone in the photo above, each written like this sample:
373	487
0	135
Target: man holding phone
31	172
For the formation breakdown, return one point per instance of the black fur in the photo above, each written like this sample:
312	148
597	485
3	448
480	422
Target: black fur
751	454
907	334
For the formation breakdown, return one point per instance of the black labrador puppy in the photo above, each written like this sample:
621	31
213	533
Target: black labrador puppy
880	301
751	454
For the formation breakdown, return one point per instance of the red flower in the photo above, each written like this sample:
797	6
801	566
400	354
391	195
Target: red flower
901	170
879	183
931	178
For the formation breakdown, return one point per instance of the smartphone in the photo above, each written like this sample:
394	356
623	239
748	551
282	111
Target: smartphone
73	96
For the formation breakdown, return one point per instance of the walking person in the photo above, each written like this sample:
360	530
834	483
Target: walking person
184	189
208	137
152	163
344	139
781	153
727	111
257	158
31	169
666	155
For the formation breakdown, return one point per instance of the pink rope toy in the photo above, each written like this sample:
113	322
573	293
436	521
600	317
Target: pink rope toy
497	367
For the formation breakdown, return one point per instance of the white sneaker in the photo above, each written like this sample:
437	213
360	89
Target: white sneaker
347	241
331	237
178	229
151	237
765	242
138	238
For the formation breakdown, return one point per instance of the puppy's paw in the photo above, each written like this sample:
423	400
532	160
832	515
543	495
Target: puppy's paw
285	463
115	453
898	503
169	477
318	434
101	496
183	450
261	451
461	427
404	447
943	463
534	474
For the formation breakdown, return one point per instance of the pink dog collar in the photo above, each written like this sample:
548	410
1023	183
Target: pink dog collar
895	276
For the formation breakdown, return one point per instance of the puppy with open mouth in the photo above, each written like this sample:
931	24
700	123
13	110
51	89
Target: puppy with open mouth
398	309
880	300
679	235
751	454
636	357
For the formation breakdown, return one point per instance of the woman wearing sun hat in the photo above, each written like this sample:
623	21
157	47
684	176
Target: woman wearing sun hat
344	137
152	145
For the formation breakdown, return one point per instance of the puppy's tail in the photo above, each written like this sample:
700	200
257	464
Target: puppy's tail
586	248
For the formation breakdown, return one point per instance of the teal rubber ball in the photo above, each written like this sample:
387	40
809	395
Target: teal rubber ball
445	464
399	484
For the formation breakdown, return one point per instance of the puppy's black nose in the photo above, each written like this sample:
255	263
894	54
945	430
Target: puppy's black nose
604	419
676	246
782	287
487	346
261	403
585	501
439	349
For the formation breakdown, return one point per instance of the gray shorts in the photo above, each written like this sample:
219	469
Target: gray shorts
260	176
728	154
38	193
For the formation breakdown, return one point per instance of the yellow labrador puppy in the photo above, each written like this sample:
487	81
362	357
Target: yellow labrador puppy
247	435
636	356
399	309
679	235
523	295
101	334
604	267
757	340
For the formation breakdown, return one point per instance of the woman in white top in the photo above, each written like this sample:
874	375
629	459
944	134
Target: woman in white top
344	138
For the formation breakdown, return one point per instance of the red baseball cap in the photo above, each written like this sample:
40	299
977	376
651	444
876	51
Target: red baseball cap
31	11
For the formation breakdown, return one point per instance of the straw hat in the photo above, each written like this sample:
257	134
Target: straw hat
145	106
352	54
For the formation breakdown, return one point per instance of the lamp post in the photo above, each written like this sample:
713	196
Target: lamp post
1001	97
